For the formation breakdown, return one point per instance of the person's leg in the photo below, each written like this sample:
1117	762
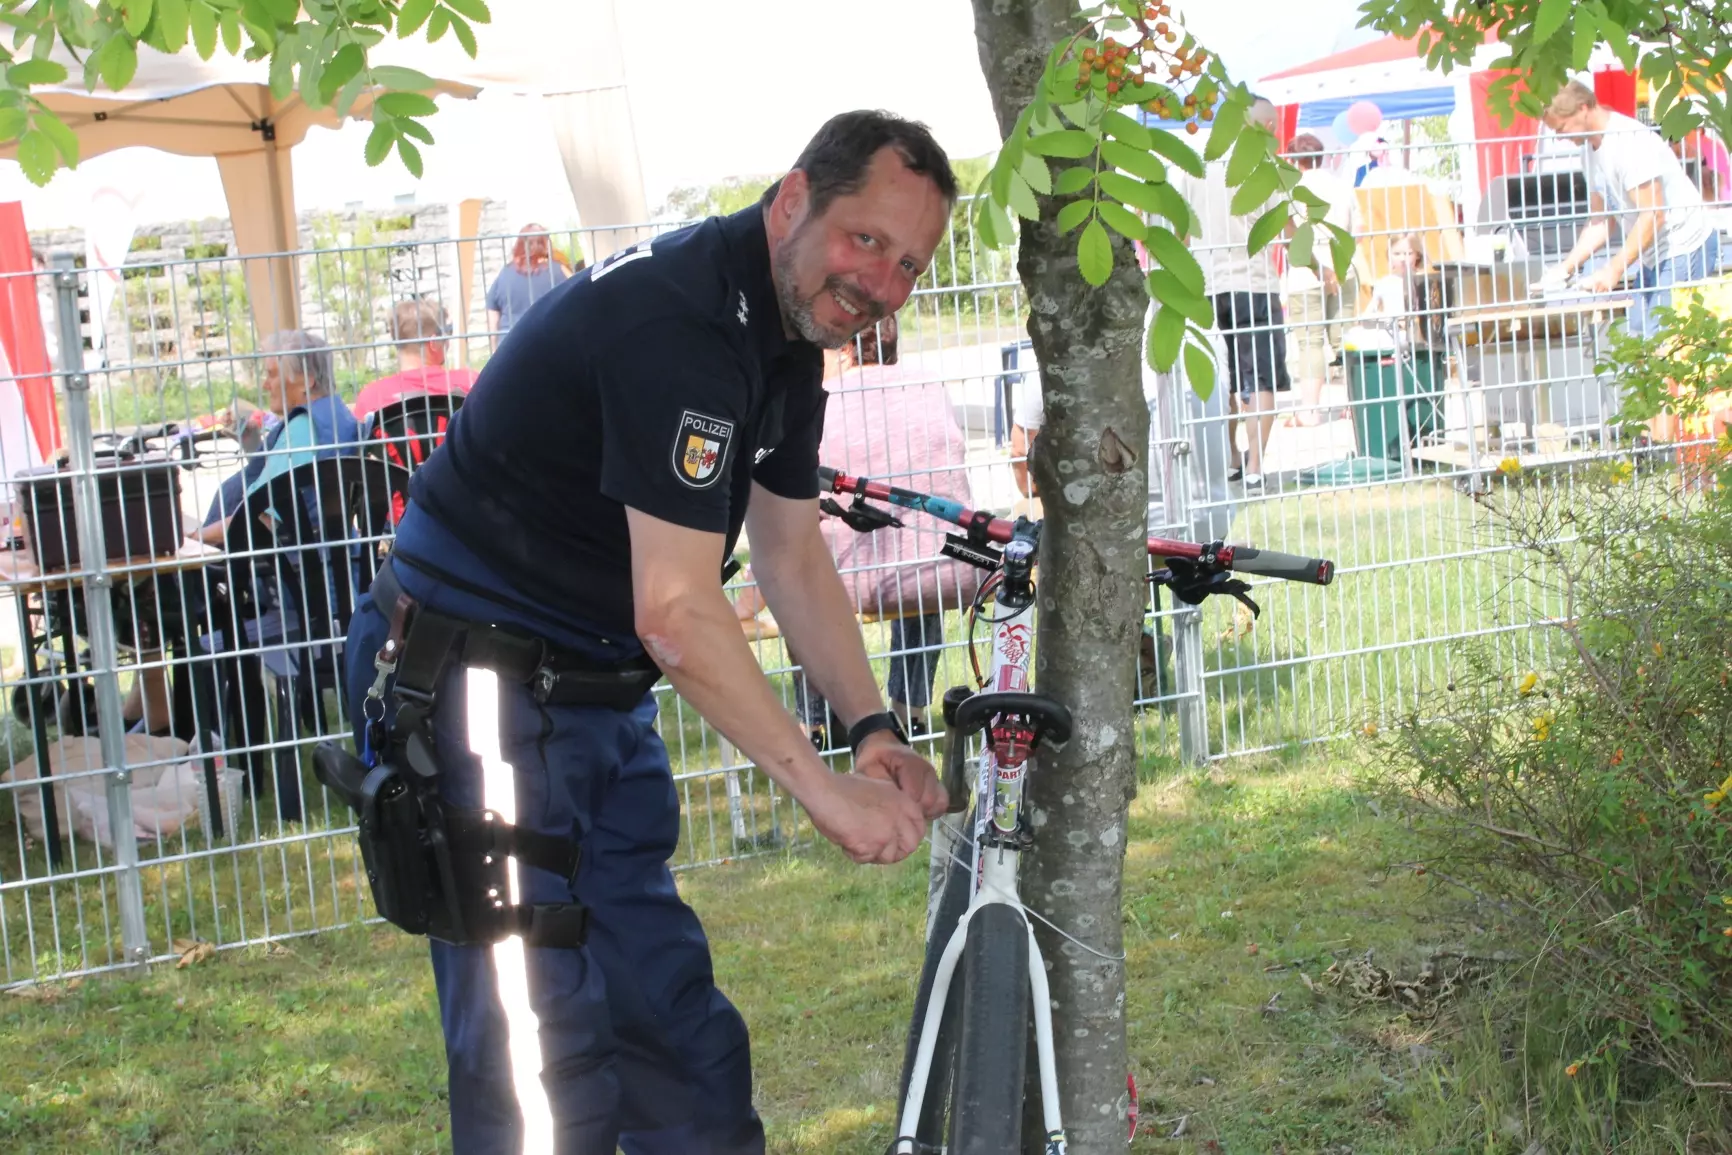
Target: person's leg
1226	321
1267	375
1309	315
809	705
920	641
684	1058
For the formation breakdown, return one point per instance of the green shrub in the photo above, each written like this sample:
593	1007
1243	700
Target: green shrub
1577	779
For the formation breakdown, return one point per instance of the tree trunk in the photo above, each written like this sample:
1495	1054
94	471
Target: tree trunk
1089	465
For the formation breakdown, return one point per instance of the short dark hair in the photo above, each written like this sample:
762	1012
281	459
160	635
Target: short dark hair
836	159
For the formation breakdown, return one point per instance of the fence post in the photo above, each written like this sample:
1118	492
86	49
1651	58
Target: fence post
1176	466
99	610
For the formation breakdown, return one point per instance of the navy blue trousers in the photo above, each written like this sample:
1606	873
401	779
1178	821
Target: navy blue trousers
637	1048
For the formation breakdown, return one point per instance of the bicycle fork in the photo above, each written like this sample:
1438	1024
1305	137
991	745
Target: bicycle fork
1039	992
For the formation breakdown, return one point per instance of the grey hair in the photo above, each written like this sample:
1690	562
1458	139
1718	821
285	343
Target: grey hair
309	356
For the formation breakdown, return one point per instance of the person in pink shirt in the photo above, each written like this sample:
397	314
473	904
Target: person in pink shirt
419	328
891	423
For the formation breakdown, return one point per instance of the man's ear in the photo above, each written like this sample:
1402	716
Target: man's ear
792	199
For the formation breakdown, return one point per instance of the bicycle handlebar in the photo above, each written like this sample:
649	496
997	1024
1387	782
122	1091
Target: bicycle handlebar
1242	558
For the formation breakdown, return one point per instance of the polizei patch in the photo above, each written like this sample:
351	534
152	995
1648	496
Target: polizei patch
700	448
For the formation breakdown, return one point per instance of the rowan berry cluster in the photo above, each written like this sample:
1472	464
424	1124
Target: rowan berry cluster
1135	66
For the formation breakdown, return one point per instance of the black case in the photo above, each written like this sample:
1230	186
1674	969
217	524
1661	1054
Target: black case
140	502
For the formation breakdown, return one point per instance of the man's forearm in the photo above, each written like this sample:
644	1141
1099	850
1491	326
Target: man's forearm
1642	234
698	644
813	612
1594	235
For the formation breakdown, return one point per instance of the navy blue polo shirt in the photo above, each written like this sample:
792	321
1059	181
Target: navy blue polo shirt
660	379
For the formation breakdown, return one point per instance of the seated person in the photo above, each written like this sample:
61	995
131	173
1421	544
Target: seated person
301	389
419	328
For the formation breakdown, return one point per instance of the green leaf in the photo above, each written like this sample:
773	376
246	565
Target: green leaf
1034	170
344	102
1124	221
344	67
416	129
230	23
402	79
117	62
32	72
1094	254
993	225
171	21
999	177
1248	153
1174	207
407	104
1550	18
1265	229
1164	287
312	74
379	143
1165	337
282	70
1180	154
412	15
283	11
410	155
1341	248
472	9
1073	180
1135	193
135	16
13	122
1121	127
465	36
1136	161
1170	253
1299	254
1587	35
1256	191
1200	369
65	141
37	156
1021	199
1074	214
438	24
1229	119
1070	143
203	19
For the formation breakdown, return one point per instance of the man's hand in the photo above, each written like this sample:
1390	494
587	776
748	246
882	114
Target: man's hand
1331	283
1604	280
883	757
871	821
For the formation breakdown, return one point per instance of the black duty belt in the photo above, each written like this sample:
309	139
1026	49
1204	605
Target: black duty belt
555	675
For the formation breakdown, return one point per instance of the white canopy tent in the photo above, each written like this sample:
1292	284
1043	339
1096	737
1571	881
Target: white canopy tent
566	55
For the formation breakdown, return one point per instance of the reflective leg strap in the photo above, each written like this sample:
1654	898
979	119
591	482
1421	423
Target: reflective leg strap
499	794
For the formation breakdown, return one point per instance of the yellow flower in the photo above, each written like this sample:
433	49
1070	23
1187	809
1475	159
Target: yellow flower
1528	684
1510	466
1715	797
1572	1069
1542	727
1622	472
1369	729
1659	650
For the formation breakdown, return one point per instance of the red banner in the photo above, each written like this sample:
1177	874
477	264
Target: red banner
21	330
1501	149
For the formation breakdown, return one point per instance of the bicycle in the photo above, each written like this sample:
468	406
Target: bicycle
961	1089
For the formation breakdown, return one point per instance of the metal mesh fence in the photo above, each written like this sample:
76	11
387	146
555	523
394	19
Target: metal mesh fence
1397	430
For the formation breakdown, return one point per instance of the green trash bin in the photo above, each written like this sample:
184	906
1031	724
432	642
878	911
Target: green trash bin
1377	383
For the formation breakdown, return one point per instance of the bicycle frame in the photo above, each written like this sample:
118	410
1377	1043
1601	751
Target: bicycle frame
999	839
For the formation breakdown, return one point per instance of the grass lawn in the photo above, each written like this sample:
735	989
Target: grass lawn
331	1043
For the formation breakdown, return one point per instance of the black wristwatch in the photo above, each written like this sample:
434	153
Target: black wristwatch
872	724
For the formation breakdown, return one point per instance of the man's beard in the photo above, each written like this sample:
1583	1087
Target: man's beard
797	311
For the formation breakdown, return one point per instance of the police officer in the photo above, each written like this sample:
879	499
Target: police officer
586	499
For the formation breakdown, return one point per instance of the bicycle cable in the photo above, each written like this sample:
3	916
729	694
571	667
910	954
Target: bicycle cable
957	859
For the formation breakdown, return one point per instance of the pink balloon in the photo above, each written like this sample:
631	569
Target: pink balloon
1364	116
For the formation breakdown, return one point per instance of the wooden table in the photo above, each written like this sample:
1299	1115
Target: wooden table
20	576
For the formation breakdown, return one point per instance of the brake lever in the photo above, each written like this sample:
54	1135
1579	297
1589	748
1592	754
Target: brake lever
859	516
1191	583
